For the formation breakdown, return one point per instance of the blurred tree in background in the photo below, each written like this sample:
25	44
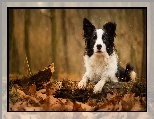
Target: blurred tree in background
26	36
55	35
13	56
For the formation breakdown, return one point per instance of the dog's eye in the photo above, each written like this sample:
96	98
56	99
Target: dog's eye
94	37
104	38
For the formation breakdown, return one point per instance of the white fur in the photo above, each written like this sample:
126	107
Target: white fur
99	41
133	76
100	66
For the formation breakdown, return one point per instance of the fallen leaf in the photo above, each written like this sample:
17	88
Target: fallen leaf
77	107
127	102
32	89
91	102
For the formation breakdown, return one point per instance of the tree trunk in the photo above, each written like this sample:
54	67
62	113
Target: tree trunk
26	39
144	55
54	42
64	29
13	51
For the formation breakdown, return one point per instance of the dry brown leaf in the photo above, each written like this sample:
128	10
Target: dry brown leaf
43	91
57	107
137	106
87	107
106	107
53	104
91	102
120	107
16	86
21	92
32	89
109	96
68	102
50	90
62	101
32	100
19	106
127	102
53	100
33	109
143	99
46	106
40	96
77	107
68	106
52	67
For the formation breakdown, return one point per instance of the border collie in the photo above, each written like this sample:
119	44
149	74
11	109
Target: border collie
101	60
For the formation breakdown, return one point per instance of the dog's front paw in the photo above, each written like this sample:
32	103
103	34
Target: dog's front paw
82	84
98	87
115	80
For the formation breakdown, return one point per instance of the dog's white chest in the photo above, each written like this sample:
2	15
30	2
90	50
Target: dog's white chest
95	66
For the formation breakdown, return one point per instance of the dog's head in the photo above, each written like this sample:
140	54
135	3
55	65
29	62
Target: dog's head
99	41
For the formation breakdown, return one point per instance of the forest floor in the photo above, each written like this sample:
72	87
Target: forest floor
65	96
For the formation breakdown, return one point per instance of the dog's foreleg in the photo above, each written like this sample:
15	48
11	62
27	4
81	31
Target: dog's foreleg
83	82
98	87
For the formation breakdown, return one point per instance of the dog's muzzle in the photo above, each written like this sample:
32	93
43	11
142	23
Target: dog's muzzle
99	46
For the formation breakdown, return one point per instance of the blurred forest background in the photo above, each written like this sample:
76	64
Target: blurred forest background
56	35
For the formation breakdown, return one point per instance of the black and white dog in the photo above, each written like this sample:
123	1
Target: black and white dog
101	60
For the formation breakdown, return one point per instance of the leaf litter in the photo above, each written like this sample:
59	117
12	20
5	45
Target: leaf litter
65	96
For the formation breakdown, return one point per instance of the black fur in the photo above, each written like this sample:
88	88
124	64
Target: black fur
108	37
110	29
89	36
88	28
129	69
120	73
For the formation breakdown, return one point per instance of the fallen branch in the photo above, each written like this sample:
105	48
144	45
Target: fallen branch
41	77
70	90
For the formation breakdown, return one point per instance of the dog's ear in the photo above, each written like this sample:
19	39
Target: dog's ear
110	28
88	27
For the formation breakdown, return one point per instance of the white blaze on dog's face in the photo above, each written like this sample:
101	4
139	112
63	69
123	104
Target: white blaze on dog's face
99	46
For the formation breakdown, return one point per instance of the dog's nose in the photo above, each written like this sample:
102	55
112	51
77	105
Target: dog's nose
99	46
